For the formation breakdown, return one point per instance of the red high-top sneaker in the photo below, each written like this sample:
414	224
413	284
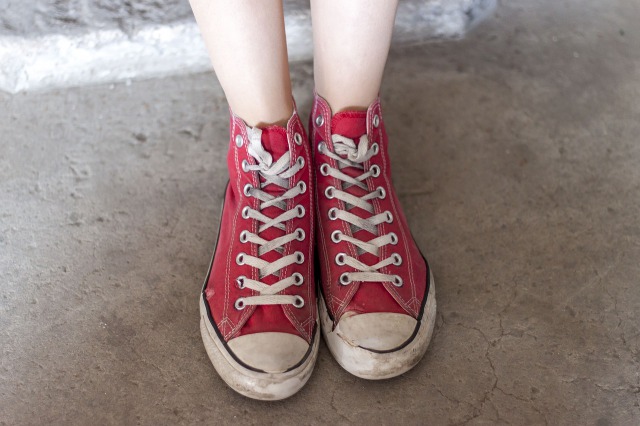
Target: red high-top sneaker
258	304
377	305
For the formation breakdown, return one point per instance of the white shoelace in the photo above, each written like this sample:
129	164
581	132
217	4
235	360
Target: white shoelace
272	173
347	154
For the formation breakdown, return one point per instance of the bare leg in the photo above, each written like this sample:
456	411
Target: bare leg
351	42
247	45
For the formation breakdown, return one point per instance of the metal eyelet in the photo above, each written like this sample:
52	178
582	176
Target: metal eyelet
302	186
382	194
335	236
240	305
397	259
248	187
239	140
297	138
389	217
300	234
340	259
240	281
376	120
375	170
245	212
301	211
344	279
324	169
245	166
298	302
394	238
321	147
243	236
376	148
298	279
397	281
319	120
240	258
329	192
300	162
299	257
333	213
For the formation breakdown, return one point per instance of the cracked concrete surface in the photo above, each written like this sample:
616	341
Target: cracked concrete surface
516	157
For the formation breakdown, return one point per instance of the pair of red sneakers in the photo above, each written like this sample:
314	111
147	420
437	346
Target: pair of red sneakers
291	217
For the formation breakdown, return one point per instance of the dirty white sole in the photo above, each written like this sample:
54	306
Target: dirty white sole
372	365
250	383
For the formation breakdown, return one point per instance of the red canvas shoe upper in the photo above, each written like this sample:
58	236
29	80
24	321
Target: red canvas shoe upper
368	259
261	278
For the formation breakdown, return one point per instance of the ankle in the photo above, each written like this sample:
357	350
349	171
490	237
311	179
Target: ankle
263	114
339	103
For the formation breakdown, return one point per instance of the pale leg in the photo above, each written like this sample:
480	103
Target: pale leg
247	45
351	42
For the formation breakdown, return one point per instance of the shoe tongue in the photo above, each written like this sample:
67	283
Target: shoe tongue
350	124
274	141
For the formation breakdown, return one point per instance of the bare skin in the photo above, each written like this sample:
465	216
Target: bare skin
351	44
247	45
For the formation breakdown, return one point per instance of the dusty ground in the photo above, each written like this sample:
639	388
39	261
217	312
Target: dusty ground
516	155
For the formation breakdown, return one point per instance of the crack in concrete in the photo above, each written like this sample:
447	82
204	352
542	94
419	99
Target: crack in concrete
525	400
593	281
475	412
488	394
635	389
335	409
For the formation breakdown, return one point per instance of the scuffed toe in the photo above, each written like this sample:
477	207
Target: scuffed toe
377	331
269	352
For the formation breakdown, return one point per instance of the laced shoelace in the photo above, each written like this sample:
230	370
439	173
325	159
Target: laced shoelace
348	154
272	173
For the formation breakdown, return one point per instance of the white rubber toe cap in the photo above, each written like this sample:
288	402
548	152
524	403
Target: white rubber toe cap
377	331
269	352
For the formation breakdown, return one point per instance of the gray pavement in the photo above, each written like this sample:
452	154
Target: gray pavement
516	156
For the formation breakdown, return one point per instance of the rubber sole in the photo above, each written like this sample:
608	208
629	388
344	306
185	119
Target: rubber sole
372	365
250	383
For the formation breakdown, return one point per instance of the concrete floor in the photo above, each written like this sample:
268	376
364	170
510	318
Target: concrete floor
516	155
